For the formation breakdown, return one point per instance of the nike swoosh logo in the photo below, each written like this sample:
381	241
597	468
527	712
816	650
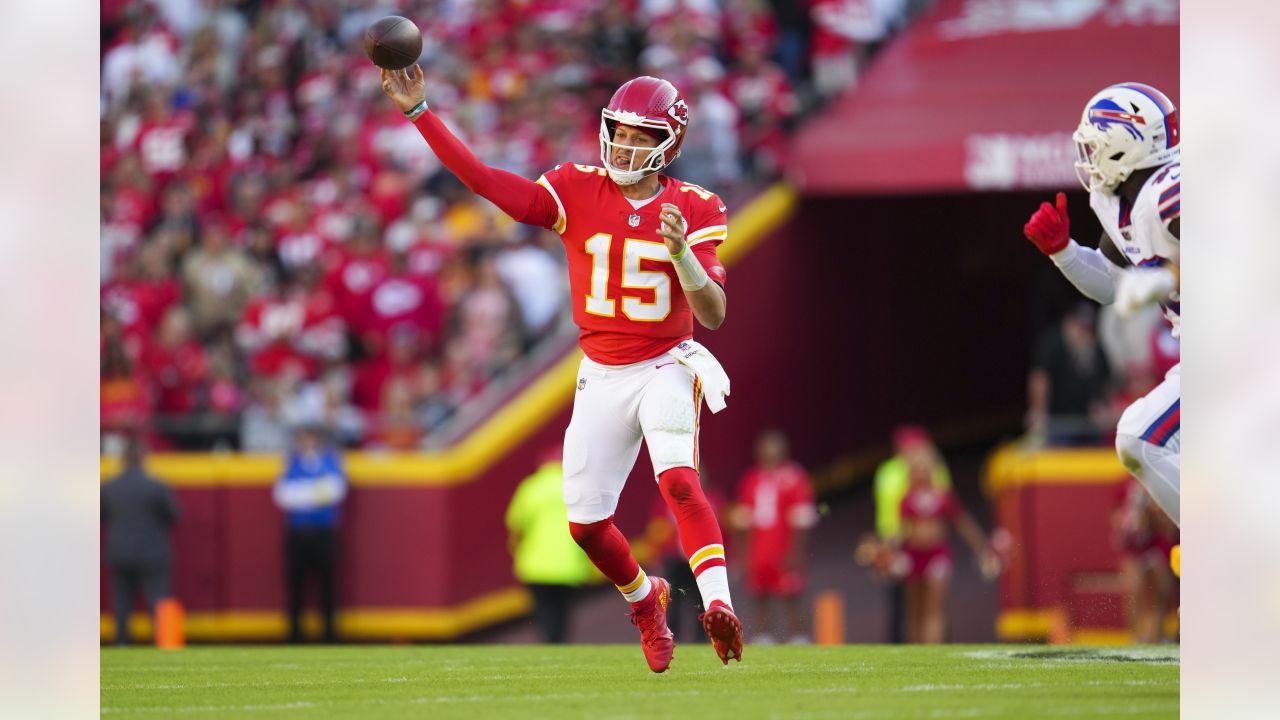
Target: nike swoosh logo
723	208
659	367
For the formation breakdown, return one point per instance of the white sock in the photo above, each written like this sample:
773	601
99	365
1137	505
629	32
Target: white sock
713	584
637	589
1157	468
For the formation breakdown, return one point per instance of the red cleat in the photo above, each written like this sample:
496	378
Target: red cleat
725	631
650	615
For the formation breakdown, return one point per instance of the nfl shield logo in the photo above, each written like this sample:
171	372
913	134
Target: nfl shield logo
634	220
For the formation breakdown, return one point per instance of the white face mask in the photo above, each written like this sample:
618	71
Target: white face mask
652	163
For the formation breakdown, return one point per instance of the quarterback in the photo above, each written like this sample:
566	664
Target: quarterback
1129	161
642	259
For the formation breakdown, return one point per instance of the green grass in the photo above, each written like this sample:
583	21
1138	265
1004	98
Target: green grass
599	681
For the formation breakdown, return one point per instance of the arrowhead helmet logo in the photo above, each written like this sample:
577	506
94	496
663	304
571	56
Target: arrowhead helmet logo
680	112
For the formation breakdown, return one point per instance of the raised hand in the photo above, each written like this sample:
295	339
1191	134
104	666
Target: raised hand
1049	228
406	87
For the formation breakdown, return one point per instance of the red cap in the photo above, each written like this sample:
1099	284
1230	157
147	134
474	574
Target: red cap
908	436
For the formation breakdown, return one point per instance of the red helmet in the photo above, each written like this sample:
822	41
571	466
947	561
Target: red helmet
655	106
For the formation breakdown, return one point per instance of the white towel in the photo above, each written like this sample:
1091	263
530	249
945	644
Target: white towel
715	382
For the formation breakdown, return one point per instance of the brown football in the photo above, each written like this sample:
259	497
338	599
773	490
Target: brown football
393	42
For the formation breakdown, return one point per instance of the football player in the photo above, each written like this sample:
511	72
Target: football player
1128	160
642	259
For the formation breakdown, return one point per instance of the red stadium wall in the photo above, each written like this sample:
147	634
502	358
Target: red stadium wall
1061	581
421	560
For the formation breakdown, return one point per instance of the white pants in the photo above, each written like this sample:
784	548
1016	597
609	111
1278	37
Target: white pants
615	407
1149	441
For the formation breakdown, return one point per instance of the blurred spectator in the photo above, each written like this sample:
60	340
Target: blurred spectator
137	513
178	369
123	396
547	560
925	551
1069	382
1144	535
310	493
710	155
250	169
773	516
766	103
219	280
534	277
489	326
912	448
846	33
263	427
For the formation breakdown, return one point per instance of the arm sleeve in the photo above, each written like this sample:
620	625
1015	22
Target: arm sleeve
709	226
706	254
1089	270
518	197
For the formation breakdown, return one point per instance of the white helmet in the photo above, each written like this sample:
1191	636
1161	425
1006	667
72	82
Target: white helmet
1125	127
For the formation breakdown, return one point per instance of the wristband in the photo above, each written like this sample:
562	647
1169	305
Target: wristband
416	111
690	272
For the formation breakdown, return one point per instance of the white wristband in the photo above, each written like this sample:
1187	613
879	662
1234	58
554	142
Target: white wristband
691	273
416	111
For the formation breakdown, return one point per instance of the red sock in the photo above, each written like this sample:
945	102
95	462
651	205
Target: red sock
695	520
608	550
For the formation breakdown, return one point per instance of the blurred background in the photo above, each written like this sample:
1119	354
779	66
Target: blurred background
293	289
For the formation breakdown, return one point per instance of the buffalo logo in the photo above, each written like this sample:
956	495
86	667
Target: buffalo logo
633	220
582	382
1106	113
680	112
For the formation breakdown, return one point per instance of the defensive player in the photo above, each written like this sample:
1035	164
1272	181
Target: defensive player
1128	160
642	265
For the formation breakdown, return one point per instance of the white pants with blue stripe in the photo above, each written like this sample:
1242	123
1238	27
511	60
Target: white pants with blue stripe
1149	441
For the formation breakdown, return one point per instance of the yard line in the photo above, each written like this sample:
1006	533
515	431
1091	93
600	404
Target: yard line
296	705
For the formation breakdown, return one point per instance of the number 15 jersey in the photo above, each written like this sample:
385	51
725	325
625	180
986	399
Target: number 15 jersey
627	300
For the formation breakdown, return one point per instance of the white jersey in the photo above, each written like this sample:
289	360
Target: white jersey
1141	232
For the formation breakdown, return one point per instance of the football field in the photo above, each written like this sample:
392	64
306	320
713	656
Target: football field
595	681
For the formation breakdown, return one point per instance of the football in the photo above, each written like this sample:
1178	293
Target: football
393	42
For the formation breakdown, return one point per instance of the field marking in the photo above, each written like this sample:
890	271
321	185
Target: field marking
979	686
1170	656
296	705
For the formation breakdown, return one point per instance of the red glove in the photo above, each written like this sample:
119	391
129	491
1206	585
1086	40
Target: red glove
1049	228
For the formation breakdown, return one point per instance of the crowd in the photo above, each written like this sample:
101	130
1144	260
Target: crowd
278	245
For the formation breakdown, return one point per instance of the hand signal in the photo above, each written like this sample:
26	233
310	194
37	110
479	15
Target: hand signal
1049	228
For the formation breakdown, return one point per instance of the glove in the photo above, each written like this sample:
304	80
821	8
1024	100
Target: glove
1049	227
1141	286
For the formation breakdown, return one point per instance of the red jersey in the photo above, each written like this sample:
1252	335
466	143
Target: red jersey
930	504
627	300
779	500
